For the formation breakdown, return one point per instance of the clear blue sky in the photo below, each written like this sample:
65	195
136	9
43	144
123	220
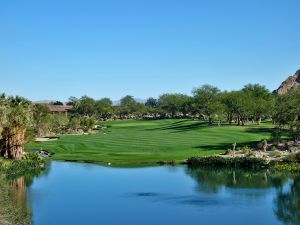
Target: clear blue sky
59	48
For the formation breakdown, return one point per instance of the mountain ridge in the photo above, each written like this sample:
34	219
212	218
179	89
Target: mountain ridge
290	83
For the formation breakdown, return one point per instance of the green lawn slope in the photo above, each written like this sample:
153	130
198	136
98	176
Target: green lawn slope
134	142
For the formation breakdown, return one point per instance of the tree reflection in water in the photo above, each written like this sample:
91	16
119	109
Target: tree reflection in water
212	180
287	200
287	203
14	209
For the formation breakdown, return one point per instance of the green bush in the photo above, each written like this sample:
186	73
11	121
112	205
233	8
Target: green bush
289	167
32	156
15	168
217	161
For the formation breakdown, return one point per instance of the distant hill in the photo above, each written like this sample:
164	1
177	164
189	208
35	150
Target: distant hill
44	101
289	84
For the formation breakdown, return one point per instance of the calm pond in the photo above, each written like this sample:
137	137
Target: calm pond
86	194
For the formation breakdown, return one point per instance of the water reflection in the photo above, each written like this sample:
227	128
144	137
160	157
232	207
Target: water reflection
212	180
287	203
76	193
287	187
14	209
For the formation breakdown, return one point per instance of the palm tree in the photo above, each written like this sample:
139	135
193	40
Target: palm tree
3	120
19	118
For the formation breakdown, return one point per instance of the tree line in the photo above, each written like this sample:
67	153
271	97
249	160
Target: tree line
252	103
21	121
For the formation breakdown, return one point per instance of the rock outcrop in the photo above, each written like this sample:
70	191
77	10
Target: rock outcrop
289	84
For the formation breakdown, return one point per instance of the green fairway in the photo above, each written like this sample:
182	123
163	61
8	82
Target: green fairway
129	142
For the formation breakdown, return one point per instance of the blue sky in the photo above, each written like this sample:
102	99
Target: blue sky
60	48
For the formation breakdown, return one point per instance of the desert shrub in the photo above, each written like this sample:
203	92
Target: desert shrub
228	152
298	156
247	151
275	154
293	149
291	158
273	149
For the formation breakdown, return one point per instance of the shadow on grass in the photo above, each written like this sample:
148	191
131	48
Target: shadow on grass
259	130
226	146
181	126
190	125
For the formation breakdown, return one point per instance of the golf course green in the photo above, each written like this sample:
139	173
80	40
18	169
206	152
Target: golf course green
137	142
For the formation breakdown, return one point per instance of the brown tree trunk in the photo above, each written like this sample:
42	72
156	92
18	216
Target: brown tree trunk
15	141
2	148
20	186
258	120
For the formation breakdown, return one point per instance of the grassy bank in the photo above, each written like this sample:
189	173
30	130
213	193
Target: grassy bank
151	141
292	166
16	168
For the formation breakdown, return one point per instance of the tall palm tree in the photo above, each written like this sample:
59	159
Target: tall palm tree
3	120
19	118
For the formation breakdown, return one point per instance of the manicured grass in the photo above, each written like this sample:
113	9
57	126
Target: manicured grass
152	141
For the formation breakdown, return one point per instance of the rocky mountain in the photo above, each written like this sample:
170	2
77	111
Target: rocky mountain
290	83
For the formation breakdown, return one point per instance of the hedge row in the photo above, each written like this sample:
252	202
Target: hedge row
237	162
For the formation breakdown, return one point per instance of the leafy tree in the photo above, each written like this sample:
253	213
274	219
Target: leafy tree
206	97
73	101
243	107
59	122
104	107
173	103
152	107
85	106
237	105
57	103
41	120
261	99
228	100
152	103
187	105
141	109
128	105
287	112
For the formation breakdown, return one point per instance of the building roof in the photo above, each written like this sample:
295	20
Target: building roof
56	108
